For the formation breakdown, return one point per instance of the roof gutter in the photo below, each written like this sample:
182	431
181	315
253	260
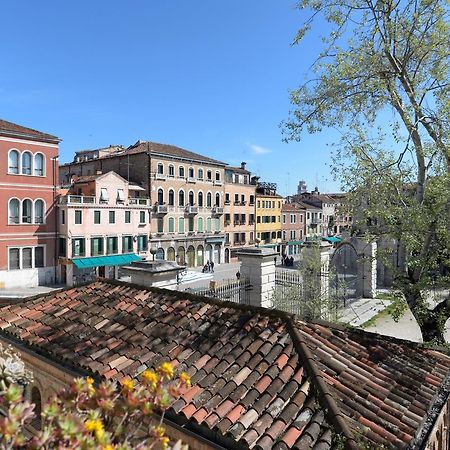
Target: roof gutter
325	397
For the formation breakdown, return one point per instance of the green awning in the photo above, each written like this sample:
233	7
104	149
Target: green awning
110	260
295	243
332	239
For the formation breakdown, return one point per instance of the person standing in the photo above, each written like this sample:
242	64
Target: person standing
212	266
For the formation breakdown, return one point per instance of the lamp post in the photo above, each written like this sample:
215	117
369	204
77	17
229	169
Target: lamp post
153	252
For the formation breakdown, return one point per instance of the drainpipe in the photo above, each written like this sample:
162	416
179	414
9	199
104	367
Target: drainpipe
54	159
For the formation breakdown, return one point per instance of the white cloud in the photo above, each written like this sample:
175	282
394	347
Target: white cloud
259	150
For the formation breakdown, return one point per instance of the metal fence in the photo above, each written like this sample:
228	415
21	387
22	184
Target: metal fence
312	299
237	291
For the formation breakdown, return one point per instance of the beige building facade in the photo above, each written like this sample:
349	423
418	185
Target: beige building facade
239	210
185	191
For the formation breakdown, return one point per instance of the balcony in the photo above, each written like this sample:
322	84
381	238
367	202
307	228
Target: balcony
190	180
315	221
139	201
160	176
217	210
77	200
161	209
217	182
191	210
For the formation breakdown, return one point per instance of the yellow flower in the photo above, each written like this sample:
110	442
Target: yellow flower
89	381
108	447
150	377
96	426
128	385
185	379
165	443
166	370
159	431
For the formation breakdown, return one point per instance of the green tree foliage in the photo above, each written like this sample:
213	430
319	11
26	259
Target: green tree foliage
382	80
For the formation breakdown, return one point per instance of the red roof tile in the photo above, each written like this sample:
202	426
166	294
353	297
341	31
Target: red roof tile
258	377
19	131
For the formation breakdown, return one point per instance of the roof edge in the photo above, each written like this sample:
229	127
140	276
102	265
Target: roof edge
325	395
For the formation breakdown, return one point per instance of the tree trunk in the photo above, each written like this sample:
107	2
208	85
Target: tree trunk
431	322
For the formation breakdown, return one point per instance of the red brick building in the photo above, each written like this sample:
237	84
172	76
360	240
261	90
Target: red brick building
28	179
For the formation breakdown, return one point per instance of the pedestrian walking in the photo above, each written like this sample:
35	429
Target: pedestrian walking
238	275
208	266
212	266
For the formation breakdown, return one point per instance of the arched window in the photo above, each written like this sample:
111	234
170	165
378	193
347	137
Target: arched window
160	196
171	197
191	198
13	162
26	163
159	254
27	208
191	172
38	211
200	224
36	423
208	224
200	174
171	170
181	225
171	225
39	165
217	200
217	175
208	175
200	199
209	200
160	168
181	172
14	211
181	198
170	254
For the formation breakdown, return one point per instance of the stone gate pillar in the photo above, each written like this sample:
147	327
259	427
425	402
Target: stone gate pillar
258	265
366	285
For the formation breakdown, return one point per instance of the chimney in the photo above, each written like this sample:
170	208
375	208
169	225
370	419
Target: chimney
243	164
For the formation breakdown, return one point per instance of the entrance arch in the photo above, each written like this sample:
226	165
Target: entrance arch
170	254
159	254
200	256
209	252
227	255
190	256
181	255
216	254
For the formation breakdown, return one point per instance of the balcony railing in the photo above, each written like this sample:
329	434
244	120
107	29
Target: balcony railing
191	210
77	200
191	180
217	210
160	176
315	221
139	201
161	209
217	182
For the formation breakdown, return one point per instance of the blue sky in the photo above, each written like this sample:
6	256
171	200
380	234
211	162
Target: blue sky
212	77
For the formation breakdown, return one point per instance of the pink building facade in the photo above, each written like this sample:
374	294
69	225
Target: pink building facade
28	180
293	223
103	224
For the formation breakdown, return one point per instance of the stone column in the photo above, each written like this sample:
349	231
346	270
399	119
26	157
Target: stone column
258	265
366	285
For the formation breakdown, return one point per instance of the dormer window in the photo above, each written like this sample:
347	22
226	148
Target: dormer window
104	197
120	196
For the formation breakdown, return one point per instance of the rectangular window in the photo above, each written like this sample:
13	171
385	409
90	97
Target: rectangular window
127	216
96	246
293	218
171	171
142	243
104	197
62	247
78	217
227	199
112	217
236	198
142	217
191	223
160	223
217	224
78	247
112	245
284	218
127	244
171	225
39	257
97	217
120	196
181	225
14	263
63	217
26	258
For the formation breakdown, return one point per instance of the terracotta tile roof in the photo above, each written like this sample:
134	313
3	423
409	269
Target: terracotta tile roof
260	379
14	130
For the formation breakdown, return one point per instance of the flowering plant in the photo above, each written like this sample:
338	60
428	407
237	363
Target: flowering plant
92	416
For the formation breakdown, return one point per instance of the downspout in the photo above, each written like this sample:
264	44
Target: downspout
56	241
